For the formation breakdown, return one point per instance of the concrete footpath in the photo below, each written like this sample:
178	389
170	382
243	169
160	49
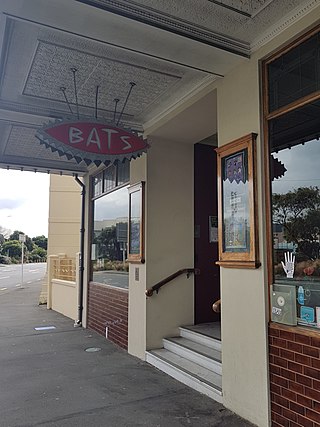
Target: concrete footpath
48	379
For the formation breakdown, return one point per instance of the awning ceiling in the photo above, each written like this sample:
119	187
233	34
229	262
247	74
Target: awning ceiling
170	52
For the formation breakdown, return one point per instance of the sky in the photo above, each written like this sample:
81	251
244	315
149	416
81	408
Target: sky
302	164
24	202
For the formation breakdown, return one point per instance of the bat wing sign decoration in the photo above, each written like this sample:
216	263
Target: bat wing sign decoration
92	141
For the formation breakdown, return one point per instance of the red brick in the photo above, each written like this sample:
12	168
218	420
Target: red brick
315	342
289	355
274	369
280	420
288	374
279	381
278	342
292	416
295	367
299	409
303	400
275	389
288	394
280	362
305	422
315	363
303	339
311	372
294	347
297	388
274	332
303	360
287	335
315	406
316	385
315	416
280	401
311	351
313	394
274	350
301	379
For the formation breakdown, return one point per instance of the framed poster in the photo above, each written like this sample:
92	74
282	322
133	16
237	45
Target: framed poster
136	223
237	224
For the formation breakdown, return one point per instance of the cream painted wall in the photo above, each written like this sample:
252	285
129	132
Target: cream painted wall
137	299
244	292
64	237
64	216
169	240
62	294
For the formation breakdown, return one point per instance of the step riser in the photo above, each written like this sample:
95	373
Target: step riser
201	360
184	378
201	339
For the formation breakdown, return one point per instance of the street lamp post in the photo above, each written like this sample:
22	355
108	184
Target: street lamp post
22	239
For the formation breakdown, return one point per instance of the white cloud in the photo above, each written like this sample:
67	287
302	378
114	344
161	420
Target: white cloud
24	202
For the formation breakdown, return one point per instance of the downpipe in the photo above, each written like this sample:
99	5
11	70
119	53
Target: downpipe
78	322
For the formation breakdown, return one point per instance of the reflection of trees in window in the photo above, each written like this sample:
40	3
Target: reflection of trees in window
298	212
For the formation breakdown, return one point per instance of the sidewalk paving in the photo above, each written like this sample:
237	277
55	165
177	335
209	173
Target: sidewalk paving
48	379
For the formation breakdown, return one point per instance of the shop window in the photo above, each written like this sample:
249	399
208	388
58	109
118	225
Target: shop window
294	74
110	230
98	184
294	153
109	178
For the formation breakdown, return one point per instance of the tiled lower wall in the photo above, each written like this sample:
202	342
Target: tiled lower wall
294	376
108	307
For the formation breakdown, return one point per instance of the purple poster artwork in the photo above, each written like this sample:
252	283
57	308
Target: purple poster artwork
235	169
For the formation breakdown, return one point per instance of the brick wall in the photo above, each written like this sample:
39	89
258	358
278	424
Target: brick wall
294	376
108	307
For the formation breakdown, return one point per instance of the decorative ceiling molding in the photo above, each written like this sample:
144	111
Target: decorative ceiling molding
173	24
205	86
297	14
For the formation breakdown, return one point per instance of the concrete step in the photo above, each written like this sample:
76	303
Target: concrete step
200	338
202	355
188	372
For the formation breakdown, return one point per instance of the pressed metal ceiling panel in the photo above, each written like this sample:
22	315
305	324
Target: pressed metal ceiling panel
238	20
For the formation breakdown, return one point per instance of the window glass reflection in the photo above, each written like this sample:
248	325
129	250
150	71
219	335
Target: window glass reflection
296	225
109	251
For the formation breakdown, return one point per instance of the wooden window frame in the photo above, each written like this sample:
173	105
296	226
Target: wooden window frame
133	256
239	259
267	116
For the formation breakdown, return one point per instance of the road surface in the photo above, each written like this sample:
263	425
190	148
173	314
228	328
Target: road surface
11	275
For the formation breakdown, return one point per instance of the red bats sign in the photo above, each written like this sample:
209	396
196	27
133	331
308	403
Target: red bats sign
92	141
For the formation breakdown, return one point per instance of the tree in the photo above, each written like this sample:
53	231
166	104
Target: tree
298	212
108	245
37	254
12	248
15	236
40	241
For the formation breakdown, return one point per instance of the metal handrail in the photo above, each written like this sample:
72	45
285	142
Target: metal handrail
149	292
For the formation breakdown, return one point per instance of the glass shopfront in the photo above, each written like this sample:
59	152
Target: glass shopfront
294	153
110	226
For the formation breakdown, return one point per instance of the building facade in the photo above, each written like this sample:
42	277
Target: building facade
230	109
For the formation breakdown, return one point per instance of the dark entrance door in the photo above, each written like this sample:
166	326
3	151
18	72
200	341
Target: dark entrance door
207	283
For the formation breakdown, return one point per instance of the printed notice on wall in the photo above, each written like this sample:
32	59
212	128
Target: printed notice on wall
213	229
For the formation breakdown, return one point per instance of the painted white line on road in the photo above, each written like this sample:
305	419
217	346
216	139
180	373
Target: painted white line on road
33	271
18	284
29	282
5	277
3	289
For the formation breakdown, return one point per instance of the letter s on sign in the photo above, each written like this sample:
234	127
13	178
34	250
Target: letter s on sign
127	144
75	135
